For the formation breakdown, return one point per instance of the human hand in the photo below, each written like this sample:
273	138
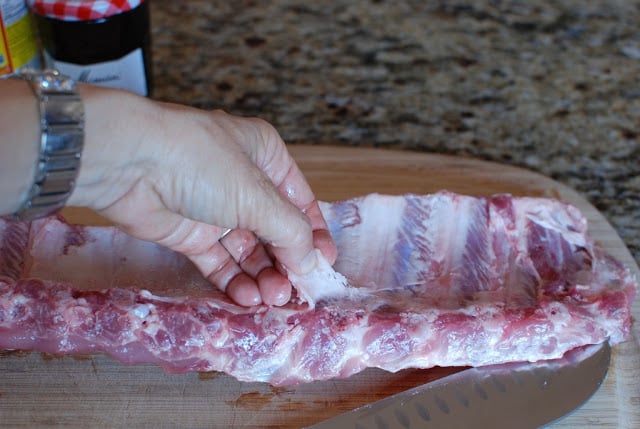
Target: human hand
181	177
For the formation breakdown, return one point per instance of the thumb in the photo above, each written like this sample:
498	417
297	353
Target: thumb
277	222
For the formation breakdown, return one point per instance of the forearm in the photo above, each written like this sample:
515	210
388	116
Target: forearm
19	141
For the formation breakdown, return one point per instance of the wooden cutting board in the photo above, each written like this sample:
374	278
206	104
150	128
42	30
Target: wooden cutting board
39	390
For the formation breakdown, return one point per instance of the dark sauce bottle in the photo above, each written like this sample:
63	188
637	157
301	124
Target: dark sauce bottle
111	48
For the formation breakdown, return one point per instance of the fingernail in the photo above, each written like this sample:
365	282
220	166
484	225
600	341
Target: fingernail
309	262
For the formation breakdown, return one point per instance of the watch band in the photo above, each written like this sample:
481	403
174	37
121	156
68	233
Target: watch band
60	146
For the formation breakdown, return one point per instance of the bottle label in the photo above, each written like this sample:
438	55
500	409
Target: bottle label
18	46
127	72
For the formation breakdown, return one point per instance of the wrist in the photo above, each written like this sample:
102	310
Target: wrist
117	124
61	126
19	135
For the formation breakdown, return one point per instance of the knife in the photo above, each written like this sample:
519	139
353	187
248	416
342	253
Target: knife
522	395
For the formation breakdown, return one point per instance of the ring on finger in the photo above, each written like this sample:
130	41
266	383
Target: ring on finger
225	233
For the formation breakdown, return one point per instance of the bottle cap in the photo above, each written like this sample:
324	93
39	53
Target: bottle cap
81	10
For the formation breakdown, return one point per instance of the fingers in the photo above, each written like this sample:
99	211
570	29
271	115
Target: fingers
243	290
292	245
321	236
237	264
280	224
262	190
201	243
226	171
260	277
296	257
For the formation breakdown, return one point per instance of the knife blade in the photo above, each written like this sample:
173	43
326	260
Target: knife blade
522	395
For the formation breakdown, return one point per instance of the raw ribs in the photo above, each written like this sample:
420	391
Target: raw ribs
442	279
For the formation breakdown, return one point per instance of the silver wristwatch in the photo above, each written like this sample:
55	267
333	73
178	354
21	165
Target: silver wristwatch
60	145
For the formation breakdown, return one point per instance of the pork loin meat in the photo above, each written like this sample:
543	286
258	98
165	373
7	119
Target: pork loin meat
441	279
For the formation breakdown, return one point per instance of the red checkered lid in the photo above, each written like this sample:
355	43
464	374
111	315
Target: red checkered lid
81	10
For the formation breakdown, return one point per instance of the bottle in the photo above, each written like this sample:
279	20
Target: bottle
103	42
18	42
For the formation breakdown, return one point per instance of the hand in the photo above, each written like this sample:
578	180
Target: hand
180	177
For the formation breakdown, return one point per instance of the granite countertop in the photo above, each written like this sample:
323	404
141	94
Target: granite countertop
550	86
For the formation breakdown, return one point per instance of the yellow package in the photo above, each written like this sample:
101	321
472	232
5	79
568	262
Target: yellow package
18	44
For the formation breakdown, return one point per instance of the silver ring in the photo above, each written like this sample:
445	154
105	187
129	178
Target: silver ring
225	233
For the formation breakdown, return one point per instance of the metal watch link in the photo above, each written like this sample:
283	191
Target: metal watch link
60	145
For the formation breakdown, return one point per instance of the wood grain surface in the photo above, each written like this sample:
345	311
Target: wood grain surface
39	390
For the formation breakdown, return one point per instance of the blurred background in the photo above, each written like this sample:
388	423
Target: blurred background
553	86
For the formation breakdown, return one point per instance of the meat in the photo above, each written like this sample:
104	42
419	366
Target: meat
442	279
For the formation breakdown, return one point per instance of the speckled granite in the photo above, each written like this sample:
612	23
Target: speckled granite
552	86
